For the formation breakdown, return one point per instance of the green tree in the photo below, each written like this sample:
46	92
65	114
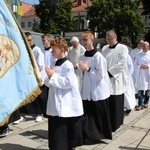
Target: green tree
55	15
121	15
147	37
36	27
146	6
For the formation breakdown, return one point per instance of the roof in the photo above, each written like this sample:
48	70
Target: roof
81	8
28	9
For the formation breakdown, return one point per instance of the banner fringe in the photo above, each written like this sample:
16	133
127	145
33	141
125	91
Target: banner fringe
30	98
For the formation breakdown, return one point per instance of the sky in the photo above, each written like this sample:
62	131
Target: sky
31	1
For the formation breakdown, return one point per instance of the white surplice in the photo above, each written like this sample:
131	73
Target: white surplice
64	97
39	57
117	67
49	60
96	83
129	95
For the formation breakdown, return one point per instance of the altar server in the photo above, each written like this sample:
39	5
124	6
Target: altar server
95	91
64	107
116	56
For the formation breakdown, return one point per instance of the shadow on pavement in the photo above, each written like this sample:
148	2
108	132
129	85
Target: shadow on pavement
93	142
35	134
132	148
8	146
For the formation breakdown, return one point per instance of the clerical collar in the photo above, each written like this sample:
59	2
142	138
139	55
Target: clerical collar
113	46
90	53
59	62
32	46
48	48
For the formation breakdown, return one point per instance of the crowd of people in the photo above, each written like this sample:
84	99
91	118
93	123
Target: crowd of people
85	92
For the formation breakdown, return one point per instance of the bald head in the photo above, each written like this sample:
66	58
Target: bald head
75	41
145	46
146	43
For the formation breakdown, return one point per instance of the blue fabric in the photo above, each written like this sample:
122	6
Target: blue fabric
146	99
142	98
17	78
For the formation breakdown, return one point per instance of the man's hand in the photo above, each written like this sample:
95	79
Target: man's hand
144	66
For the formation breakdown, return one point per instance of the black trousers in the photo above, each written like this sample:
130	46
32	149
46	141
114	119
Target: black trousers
38	106
116	107
64	133
15	116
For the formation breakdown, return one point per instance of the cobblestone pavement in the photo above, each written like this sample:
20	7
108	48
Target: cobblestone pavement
134	134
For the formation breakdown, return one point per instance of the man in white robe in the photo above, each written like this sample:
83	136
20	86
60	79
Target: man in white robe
135	51
133	55
75	51
35	107
116	56
142	74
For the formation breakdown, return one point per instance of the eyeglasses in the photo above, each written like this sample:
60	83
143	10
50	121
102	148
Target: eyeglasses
84	40
29	40
109	39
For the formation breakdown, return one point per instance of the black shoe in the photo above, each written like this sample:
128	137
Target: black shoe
128	111
73	148
4	132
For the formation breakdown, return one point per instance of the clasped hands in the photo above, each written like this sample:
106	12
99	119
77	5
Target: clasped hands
144	66
83	65
49	71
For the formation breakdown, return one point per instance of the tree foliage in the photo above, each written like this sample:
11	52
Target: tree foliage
36	27
147	37
55	15
121	15
146	7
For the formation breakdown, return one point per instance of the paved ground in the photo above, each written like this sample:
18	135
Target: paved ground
133	134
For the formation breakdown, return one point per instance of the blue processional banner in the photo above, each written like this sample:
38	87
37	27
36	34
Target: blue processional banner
19	76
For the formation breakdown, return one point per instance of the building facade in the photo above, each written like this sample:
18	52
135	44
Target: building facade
16	8
28	17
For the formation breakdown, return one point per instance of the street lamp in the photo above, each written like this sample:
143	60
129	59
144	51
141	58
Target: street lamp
96	33
61	33
87	24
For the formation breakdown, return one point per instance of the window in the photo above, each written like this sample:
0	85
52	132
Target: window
29	24
22	24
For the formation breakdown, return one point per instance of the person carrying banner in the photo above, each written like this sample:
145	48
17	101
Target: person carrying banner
37	106
19	75
4	130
